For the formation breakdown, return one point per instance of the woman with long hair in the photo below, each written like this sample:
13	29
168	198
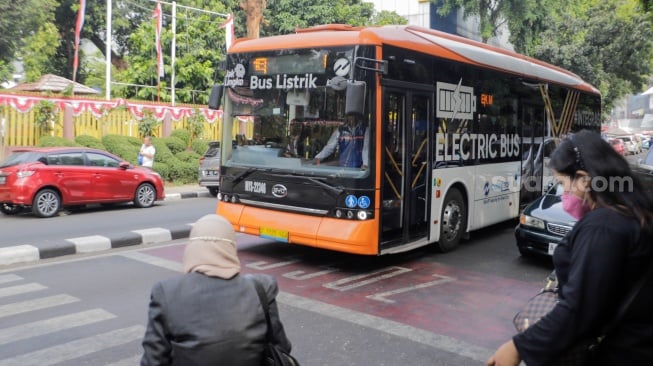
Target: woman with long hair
597	263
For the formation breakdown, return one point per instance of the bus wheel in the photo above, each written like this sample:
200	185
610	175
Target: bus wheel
453	222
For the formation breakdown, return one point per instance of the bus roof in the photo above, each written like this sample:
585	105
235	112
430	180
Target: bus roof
420	39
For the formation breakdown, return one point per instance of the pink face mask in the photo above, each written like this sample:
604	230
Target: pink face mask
574	205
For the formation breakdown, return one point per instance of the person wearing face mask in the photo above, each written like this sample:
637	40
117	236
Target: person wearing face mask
607	251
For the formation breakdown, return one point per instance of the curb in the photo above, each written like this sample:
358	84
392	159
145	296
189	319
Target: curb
95	243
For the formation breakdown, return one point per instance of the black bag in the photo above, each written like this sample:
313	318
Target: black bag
274	355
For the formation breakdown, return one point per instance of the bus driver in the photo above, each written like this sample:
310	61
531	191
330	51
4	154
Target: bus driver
352	141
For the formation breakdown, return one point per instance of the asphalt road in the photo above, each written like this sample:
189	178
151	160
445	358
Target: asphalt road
96	220
416	308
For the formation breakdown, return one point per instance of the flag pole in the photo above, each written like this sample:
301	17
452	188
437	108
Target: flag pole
173	53
107	85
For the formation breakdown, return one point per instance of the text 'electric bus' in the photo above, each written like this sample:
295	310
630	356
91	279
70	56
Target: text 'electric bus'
379	140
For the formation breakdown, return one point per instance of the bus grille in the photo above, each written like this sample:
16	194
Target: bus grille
556	229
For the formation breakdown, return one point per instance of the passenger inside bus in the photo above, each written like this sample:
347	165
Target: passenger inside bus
351	140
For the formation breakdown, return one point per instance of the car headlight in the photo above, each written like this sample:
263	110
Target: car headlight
25	173
531	221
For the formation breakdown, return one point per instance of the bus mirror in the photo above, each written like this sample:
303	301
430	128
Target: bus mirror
216	96
355	102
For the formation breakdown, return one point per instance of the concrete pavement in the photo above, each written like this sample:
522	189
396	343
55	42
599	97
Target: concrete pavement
30	253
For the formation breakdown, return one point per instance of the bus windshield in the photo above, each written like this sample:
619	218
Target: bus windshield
289	114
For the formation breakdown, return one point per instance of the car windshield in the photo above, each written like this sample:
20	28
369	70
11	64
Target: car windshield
20	158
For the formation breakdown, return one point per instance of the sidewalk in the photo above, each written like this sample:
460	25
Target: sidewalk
30	253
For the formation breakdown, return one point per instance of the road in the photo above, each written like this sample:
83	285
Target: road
416	308
97	220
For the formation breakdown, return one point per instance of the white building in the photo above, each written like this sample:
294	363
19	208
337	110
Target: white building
423	13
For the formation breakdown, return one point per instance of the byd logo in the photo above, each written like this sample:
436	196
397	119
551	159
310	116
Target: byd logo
279	191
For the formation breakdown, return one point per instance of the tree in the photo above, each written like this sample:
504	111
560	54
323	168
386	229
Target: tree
20	19
284	16
609	46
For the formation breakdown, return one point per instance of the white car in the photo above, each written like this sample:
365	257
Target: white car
633	144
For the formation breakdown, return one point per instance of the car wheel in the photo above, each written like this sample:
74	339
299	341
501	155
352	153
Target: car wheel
46	203
145	195
9	209
213	191
453	223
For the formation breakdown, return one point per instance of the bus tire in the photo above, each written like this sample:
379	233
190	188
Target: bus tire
453	222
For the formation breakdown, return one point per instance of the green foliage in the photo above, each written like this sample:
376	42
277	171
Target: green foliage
182	134
45	117
125	147
148	125
195	126
39	50
610	47
89	141
200	146
175	144
54	141
188	157
183	172
385	17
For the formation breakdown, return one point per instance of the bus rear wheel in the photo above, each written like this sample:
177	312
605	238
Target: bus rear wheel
453	222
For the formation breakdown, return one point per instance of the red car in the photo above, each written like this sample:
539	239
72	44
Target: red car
618	146
47	179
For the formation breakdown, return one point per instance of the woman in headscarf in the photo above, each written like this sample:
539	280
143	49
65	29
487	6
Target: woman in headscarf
210	315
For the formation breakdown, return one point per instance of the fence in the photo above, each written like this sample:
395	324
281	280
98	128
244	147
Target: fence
77	116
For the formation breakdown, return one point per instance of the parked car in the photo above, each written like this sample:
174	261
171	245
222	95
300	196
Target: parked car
48	179
632	143
209	169
543	223
618	145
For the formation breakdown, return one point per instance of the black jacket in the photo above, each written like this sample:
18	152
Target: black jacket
596	265
199	320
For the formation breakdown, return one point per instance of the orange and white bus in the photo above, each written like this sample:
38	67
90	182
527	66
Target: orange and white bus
445	133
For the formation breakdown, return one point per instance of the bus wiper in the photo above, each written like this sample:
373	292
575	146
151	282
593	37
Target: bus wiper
326	186
243	175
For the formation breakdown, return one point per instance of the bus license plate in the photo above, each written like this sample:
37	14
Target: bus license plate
274	234
552	248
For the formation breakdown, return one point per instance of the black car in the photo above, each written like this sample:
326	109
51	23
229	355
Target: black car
543	223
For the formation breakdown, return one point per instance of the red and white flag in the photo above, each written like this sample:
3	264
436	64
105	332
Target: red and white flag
158	18
229	30
78	31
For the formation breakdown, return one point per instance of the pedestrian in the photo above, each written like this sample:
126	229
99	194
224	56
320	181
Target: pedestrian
609	248
351	139
211	314
147	152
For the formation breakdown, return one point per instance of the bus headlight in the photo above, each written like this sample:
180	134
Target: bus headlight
362	215
339	213
350	214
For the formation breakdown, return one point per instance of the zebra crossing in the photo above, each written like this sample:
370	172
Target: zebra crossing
41	328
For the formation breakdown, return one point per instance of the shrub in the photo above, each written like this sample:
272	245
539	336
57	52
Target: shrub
125	147
200	146
89	141
188	156
184	135
175	144
54	141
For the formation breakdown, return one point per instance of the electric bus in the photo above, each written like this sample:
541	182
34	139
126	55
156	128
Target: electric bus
447	132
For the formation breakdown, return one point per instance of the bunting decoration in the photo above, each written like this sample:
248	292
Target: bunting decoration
158	17
78	32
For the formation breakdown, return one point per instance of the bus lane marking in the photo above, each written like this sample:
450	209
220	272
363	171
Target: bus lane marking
372	277
304	275
381	296
262	265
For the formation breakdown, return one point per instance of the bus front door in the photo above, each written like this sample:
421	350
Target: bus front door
406	173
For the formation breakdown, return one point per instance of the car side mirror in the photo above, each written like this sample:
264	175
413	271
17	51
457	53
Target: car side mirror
124	165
